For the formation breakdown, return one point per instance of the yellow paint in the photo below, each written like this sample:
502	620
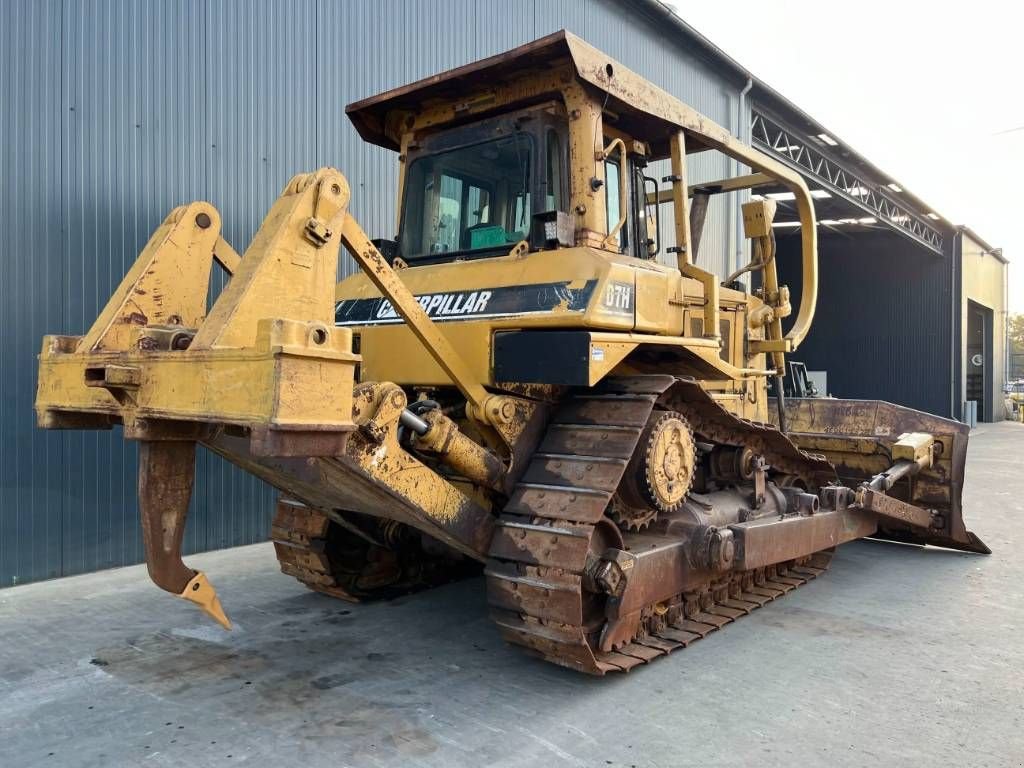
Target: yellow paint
201	592
278	382
168	282
268	357
285	272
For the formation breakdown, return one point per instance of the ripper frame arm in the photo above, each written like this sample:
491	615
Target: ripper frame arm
250	380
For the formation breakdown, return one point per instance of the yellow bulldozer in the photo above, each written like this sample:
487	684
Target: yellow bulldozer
515	384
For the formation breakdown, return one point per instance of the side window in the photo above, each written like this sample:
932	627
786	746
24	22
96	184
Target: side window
449	214
554	174
646	227
612	184
521	215
478	206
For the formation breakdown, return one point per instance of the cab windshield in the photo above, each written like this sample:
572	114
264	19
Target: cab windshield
475	198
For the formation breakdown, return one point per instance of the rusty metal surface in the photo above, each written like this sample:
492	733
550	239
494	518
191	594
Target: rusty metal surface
894	509
512	569
299	534
390	484
858	437
331	555
661	570
539	575
599	473
369	116
549	536
166	477
711	420
763	542
660	473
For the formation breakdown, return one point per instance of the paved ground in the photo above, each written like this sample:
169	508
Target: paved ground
900	656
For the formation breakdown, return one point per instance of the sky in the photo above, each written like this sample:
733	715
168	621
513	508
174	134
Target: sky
930	92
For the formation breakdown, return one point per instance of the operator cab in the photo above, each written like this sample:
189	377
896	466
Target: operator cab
553	145
477	190
474	190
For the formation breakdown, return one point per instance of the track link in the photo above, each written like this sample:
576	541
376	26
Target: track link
700	614
554	522
342	562
300	541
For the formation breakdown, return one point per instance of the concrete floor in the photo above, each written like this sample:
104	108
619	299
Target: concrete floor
899	656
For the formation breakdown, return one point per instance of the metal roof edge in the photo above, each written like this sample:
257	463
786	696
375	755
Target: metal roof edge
849	153
963	229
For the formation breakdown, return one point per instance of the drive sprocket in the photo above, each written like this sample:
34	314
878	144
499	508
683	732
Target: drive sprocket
659	474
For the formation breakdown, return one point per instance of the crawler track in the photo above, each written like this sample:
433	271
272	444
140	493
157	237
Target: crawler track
338	561
300	536
555	521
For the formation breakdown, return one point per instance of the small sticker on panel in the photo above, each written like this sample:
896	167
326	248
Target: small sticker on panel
597	354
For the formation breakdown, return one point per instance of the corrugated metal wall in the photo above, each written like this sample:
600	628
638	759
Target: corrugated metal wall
116	111
883	327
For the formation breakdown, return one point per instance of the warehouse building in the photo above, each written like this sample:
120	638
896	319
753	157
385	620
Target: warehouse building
127	109
911	308
983	317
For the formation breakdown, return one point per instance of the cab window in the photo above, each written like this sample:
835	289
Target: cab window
468	199
554	178
612	184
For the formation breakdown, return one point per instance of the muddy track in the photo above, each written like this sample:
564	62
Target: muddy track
385	562
300	536
554	524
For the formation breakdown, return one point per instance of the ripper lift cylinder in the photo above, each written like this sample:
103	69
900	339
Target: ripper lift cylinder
437	434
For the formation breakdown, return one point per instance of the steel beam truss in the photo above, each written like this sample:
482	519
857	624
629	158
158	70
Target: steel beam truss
794	149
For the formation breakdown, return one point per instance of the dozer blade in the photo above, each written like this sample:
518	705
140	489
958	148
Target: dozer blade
862	439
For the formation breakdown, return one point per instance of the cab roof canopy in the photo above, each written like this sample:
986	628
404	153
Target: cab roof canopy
641	109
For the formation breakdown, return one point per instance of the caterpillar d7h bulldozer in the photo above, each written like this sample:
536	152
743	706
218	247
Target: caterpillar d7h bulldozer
514	383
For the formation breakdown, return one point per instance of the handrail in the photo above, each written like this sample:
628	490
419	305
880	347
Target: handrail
763	165
770	171
637	94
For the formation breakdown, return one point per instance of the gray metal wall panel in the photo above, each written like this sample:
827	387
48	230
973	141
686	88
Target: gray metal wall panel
883	324
123	109
31	491
118	116
954	246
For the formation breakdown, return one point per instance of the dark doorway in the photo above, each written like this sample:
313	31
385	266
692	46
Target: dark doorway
979	359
